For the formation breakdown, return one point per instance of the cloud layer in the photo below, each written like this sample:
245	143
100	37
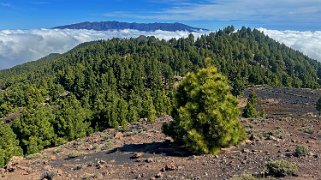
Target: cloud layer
19	46
307	42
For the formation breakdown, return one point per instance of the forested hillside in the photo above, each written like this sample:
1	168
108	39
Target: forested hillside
112	83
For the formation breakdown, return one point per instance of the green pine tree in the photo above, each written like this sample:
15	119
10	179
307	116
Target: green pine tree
249	110
9	145
206	116
34	129
71	120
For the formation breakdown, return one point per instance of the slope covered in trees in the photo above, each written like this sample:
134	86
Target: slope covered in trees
112	83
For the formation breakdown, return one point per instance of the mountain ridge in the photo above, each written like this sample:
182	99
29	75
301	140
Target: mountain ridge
116	25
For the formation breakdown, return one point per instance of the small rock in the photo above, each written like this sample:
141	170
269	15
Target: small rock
89	147
159	175
45	162
105	173
99	166
102	162
59	172
252	137
137	155
192	157
118	135
90	164
2	171
111	161
149	160
246	151
138	176
170	167
52	157
273	138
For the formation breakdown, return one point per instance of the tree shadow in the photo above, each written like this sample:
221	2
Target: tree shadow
165	148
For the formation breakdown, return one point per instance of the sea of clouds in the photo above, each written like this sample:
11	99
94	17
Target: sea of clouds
19	46
308	42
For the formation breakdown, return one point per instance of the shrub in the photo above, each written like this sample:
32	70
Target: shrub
278	133
301	150
280	168
205	113
34	156
74	154
308	130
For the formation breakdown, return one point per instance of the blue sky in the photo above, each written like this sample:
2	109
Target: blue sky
212	14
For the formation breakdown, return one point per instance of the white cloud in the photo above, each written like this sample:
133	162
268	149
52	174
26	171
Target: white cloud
19	46
308	42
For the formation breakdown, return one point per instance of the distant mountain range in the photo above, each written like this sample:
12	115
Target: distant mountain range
115	25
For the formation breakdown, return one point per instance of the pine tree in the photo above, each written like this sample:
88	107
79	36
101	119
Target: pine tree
122	109
205	114
34	129
149	110
250	109
71	119
9	145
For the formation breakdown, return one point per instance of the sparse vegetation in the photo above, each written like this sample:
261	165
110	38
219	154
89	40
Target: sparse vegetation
34	156
280	168
308	130
75	154
206	117
301	150
278	133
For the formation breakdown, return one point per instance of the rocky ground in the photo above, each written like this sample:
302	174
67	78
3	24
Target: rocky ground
143	152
